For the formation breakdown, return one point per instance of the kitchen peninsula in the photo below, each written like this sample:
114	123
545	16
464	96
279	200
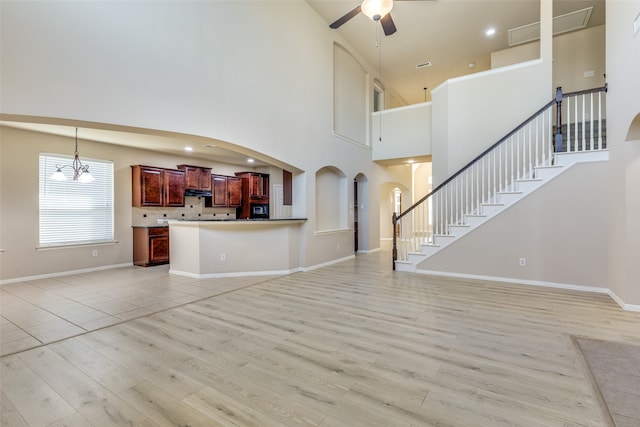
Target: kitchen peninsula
206	248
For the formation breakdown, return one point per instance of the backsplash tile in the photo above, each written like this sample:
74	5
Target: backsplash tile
194	209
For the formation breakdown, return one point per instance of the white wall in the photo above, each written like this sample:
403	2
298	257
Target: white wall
623	106
256	74
402	132
573	54
481	109
350	96
563	239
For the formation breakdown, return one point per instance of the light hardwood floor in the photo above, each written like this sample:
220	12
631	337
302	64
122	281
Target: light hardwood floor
353	344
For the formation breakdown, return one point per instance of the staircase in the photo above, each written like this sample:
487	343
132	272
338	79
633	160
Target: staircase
502	201
530	156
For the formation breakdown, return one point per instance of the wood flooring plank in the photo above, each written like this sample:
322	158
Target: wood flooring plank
9	415
93	401
34	399
164	409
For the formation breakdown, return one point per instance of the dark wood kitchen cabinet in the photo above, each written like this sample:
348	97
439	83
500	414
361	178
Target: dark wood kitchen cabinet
255	195
153	186
255	185
196	177
226	192
150	245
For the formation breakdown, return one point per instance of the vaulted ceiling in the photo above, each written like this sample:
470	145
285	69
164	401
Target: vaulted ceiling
450	34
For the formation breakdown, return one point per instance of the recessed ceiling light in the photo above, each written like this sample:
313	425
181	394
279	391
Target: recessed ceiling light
250	160
490	31
188	148
410	161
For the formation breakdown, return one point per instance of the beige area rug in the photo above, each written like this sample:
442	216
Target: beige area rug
614	369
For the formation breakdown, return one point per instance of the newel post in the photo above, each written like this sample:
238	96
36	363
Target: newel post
394	250
558	140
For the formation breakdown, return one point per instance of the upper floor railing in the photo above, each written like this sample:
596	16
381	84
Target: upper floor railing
496	170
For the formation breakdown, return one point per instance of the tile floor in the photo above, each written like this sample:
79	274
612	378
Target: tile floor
616	370
38	312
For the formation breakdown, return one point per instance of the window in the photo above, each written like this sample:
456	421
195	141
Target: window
71	212
378	97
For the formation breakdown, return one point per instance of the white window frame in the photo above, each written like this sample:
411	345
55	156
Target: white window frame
73	213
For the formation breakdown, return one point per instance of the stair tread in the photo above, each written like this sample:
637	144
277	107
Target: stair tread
529	179
509	192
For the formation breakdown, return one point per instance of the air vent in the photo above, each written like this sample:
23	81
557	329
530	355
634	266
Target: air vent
424	64
561	24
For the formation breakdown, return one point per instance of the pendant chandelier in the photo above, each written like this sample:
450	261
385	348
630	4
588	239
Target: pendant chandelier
80	172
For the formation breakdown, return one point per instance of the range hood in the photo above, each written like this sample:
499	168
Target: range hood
202	193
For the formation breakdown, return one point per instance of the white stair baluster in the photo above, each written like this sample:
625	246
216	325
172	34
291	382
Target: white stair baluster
584	122
575	126
537	160
591	147
568	140
599	121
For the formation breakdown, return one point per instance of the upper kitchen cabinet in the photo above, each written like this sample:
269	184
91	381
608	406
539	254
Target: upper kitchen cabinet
174	187
196	178
152	186
226	192
256	185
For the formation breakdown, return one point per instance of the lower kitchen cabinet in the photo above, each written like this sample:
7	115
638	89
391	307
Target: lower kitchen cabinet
150	245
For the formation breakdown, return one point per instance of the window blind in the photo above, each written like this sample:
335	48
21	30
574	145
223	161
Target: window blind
73	212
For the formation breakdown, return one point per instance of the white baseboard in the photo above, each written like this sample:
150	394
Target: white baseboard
370	251
518	281
628	307
572	287
234	274
328	263
64	273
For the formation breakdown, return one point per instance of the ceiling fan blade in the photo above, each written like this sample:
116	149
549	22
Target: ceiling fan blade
345	18
387	25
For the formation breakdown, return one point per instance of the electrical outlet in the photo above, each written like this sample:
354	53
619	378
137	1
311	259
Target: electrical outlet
94	253
523	262
223	257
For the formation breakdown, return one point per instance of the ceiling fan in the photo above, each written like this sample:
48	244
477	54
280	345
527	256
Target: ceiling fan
377	10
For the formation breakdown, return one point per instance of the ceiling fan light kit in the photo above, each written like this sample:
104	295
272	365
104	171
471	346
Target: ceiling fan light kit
376	9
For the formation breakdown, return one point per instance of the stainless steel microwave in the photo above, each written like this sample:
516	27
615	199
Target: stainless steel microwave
260	211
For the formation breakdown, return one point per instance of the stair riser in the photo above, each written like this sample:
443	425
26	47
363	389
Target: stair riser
509	198
458	230
415	258
528	186
404	266
474	221
428	250
547	173
490	210
444	240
